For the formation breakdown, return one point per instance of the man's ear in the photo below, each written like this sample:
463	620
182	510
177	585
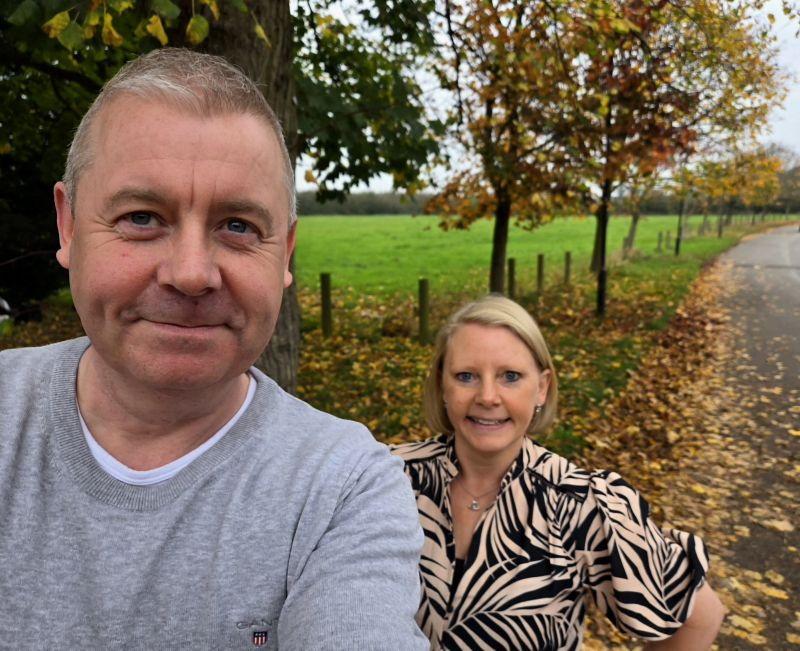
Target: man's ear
290	242
66	223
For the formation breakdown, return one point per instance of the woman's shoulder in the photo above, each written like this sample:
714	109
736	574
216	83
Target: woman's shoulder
565	476
421	451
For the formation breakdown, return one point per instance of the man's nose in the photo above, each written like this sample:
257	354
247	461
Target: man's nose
191	268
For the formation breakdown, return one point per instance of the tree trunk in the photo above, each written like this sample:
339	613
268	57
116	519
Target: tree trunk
679	235
600	246
234	38
629	241
502	216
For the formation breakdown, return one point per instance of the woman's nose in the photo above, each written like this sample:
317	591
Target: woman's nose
487	393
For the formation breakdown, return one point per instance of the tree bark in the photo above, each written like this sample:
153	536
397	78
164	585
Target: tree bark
600	246
679	234
233	37
502	216
631	238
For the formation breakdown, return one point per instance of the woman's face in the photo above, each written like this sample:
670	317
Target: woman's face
491	386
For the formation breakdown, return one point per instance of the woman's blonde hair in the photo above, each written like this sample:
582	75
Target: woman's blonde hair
492	310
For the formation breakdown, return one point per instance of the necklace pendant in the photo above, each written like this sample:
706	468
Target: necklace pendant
474	506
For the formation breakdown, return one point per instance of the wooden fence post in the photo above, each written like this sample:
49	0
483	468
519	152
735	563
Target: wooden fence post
512	278
327	311
424	311
668	241
540	273
567	266
660	239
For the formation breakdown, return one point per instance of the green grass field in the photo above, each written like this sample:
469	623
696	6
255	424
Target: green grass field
387	255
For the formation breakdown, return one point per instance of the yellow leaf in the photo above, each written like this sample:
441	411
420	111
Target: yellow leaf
793	638
90	24
779	525
156	29
56	24
794	432
121	5
197	29
699	489
775	593
753	638
746	623
212	4
110	35
309	177
262	35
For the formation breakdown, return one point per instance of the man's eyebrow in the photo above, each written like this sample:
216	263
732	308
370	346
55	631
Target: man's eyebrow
243	206
125	195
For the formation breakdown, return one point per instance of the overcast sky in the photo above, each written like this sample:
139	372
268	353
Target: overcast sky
785	122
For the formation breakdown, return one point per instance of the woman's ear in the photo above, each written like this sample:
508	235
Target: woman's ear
545	378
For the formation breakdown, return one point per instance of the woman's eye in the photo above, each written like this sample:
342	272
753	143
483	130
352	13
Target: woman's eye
511	376
238	226
464	376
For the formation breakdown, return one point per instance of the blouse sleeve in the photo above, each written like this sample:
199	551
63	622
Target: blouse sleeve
642	578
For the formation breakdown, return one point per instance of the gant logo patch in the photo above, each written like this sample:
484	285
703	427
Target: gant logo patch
257	629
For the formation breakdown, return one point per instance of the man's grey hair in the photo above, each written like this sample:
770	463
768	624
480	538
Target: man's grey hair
203	84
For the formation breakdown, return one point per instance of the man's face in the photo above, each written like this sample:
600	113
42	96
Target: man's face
178	246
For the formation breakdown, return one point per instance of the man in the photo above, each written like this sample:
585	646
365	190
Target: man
157	492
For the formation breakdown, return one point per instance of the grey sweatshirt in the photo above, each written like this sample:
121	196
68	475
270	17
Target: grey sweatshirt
295	531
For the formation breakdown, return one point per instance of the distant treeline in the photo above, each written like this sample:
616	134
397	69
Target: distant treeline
363	203
389	203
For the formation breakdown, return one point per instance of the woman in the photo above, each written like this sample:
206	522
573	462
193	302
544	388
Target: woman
515	535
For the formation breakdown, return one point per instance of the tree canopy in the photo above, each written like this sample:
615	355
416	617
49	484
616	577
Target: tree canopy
556	104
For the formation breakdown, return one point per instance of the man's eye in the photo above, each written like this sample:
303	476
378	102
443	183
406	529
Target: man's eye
238	226
464	376
140	219
511	376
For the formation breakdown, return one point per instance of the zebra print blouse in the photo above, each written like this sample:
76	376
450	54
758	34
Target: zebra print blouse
555	532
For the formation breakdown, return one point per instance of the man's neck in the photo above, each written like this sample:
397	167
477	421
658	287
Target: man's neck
145	428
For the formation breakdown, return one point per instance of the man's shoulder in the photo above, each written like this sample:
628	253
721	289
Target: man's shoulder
41	353
18	362
300	425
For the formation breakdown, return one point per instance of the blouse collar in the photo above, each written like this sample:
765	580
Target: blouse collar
525	459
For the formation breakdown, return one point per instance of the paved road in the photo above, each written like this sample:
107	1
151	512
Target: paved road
765	308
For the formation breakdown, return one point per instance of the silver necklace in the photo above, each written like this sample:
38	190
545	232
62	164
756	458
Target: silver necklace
475	504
